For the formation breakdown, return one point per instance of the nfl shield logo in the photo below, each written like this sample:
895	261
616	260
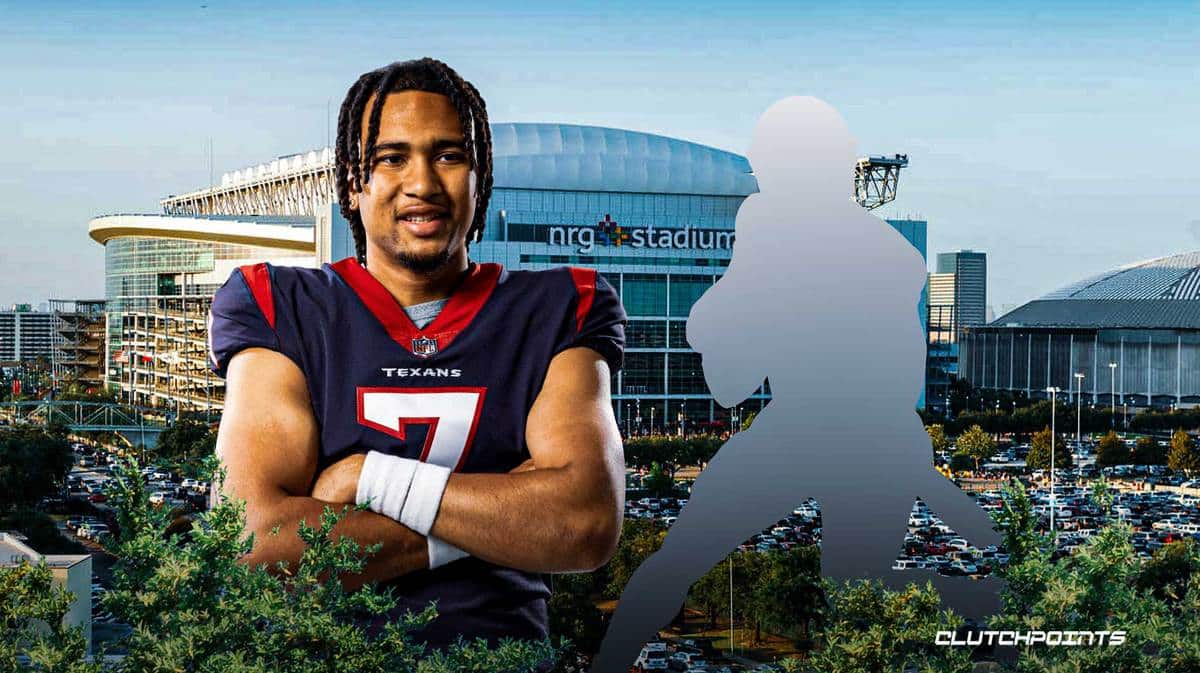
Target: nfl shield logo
424	346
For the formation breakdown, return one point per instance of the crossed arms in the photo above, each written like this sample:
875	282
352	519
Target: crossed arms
559	512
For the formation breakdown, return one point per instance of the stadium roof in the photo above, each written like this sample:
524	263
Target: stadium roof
274	231
593	158
1162	293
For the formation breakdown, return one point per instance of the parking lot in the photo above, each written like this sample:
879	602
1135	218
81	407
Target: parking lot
86	515
1161	507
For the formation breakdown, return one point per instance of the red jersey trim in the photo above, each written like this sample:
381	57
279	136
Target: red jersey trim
466	302
258	279
585	286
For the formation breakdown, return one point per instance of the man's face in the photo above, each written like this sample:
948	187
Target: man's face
420	201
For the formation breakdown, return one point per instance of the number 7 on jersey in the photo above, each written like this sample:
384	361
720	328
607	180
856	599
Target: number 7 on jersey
452	415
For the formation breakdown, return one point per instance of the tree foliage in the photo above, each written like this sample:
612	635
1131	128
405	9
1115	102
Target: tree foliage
976	444
1098	588
937	437
788	591
34	463
1039	451
639	539
1112	451
872	629
573	612
671	452
1172	571
187	440
1146	451
31	624
1184	456
658	483
195	606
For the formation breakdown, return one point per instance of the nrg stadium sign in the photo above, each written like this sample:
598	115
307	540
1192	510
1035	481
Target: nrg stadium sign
608	232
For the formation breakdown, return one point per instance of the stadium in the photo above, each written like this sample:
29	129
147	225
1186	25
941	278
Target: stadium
1133	333
654	214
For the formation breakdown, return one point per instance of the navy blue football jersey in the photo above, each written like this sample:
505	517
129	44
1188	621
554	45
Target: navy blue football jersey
456	393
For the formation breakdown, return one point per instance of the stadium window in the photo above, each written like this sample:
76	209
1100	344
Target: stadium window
685	375
685	290
646	334
642	374
645	294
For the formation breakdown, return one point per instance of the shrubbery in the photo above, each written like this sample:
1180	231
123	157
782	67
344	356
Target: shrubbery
194	606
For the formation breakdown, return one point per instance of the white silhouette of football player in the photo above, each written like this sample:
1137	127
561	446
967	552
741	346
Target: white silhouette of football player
820	299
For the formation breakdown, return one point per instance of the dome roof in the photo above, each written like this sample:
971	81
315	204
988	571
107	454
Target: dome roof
593	158
1162	293
1173	277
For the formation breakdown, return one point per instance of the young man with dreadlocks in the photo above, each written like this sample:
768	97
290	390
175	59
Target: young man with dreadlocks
467	406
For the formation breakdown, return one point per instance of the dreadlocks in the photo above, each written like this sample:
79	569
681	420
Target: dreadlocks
353	168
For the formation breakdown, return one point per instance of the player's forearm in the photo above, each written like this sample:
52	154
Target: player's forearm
544	520
402	551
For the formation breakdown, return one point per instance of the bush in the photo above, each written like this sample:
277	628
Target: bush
31	623
194	606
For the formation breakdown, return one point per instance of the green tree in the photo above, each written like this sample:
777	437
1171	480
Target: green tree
1184	457
31	623
195	606
976	444
961	462
1146	451
1172	571
1101	494
639	539
937	437
699	449
1039	451
750	604
711	592
1095	589
34	463
1017	521
658	483
871	630
789	593
188	440
748	420
573	612
1112	451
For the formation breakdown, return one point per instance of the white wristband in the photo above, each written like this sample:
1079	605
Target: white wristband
441	553
402	489
424	497
384	482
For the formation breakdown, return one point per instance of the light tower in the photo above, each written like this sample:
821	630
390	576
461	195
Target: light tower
876	179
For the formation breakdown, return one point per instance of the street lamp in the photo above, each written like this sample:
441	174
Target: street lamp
1078	427
680	418
1112	396
1053	399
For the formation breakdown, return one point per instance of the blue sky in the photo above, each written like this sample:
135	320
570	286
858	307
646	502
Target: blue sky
1056	137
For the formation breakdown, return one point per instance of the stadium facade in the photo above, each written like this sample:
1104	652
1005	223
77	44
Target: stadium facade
655	215
1132	332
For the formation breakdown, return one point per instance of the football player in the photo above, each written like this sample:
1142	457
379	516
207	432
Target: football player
467	405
